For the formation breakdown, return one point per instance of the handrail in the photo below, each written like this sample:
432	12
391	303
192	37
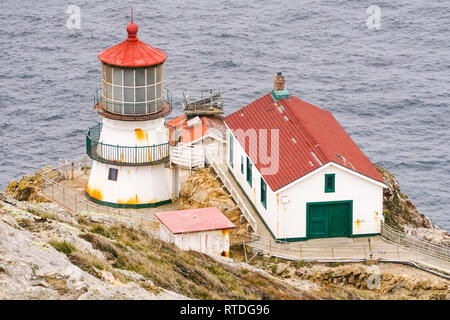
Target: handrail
123	155
79	204
241	204
423	246
214	99
55	191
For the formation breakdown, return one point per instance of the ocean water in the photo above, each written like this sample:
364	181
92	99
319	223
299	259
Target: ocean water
389	88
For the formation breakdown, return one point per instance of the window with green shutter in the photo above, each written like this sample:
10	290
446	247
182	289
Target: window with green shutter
263	193
249	172
231	150
329	183
242	164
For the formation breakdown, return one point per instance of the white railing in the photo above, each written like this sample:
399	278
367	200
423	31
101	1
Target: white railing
300	251
54	190
423	246
188	156
234	194
384	251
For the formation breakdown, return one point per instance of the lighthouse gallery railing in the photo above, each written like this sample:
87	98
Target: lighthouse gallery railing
123	155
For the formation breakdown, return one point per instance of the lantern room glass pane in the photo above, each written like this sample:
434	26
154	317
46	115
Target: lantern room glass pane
140	77
108	106
108	91
117	93
104	71
158	73
128	108
151	93
150	75
158	91
152	107
159	105
117	76
117	107
140	108
108	74
128	77
140	94
129	94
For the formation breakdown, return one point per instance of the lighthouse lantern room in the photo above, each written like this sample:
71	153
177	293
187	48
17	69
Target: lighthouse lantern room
130	147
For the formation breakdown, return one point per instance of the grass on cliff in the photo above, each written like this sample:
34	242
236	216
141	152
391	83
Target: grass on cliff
84	260
397	214
190	273
62	246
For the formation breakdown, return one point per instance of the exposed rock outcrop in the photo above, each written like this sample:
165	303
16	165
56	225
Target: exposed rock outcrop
27	189
203	189
400	212
360	281
381	281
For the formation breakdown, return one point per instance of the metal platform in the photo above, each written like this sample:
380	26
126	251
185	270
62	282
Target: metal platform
208	103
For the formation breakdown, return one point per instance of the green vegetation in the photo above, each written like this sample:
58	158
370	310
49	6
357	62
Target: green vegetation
398	210
63	247
190	273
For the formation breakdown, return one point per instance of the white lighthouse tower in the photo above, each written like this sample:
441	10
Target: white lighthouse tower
130	147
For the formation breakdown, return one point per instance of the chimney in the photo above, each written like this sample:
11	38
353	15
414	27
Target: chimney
278	82
279	92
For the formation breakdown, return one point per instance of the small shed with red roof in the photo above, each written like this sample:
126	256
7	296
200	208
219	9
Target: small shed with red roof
206	230
302	172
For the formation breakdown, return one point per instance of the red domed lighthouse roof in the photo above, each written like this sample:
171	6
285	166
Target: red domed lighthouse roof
132	52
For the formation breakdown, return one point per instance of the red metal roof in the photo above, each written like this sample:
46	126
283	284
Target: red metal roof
194	220
309	137
207	126
132	52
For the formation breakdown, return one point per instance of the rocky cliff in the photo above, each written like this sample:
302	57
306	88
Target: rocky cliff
49	253
203	189
400	212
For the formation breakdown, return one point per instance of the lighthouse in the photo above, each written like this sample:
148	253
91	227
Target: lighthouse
130	147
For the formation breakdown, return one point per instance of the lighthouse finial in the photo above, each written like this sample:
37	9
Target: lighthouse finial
131	11
132	28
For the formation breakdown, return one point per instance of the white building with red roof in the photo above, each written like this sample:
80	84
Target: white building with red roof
301	171
206	230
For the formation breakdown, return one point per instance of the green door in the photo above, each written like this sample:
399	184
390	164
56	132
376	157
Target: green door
329	219
318	222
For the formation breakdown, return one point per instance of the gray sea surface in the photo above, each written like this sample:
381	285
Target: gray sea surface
388	87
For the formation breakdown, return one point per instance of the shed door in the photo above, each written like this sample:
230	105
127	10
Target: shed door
328	220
